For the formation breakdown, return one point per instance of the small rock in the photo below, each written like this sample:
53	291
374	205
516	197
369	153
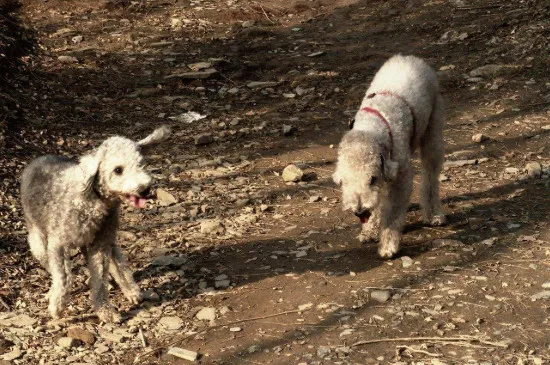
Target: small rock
183	353
479	137
546	285
534	169
491	70
67	342
212	226
261	84
288	130
13	355
235	329
542	295
511	170
406	261
323	351
82	335
171	323
151	296
199	66
248	23
254	348
169	261
292	173
443	178
316	54
67	59
314	198
381	296
165	198
222	284
102	348
203	139
206	314
77	39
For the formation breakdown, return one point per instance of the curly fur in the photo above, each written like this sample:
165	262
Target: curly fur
376	174
70	204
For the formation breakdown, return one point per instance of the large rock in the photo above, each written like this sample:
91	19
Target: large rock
206	314
533	169
212	226
292	173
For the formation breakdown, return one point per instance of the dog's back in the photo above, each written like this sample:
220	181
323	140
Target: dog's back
38	187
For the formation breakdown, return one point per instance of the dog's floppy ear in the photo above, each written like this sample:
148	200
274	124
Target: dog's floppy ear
159	135
389	168
89	165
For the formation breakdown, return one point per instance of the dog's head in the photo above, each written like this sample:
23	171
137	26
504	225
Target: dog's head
363	170
116	169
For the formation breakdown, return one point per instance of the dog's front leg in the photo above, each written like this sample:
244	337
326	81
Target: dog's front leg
98	264
119	270
370	231
393	213
57	265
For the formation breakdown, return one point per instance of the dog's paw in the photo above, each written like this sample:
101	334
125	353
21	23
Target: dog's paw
108	314
134	296
388	249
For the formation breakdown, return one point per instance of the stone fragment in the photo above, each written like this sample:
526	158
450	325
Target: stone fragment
81	334
292	173
183	353
206	314
381	296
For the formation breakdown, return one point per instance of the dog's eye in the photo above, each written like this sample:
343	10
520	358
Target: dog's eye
118	170
373	180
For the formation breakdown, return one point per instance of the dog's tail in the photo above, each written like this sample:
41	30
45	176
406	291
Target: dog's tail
159	135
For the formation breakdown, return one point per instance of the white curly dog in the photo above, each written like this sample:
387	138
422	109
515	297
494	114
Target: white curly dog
70	204
402	111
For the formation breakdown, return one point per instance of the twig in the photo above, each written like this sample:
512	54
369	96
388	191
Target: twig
181	339
432	339
381	287
79	318
142	338
267	16
412	349
5	305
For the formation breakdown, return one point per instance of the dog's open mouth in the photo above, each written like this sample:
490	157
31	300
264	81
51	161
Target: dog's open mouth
363	217
137	201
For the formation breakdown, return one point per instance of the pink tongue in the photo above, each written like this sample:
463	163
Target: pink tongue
137	201
364	219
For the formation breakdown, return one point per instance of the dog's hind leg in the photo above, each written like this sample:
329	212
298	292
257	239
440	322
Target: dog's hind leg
59	291
432	154
393	212
38	246
119	270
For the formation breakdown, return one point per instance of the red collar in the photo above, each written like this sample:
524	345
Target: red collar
383	120
411	109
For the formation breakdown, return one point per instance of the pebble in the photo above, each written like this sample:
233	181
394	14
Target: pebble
222	284
101	349
546	285
183	353
248	23
489	70
67	59
203	139
261	84
81	334
212	226
235	329
171	323
541	295
479	137
314	198
254	348
165	198
292	173
13	355
193	75
323	351
381	296
67	342
534	169
406	261
206	314
112	337
287	130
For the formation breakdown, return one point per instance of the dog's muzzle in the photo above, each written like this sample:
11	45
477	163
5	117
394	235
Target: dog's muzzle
146	193
363	215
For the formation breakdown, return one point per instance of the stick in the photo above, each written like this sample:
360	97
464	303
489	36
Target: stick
150	352
381	287
441	339
142	338
5	305
412	349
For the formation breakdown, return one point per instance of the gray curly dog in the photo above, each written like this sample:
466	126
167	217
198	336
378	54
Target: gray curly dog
402	111
71	204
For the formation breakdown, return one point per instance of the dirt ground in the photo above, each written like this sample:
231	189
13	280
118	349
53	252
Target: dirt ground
278	265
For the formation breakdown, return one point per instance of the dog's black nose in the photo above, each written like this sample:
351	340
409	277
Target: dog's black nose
145	192
363	213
